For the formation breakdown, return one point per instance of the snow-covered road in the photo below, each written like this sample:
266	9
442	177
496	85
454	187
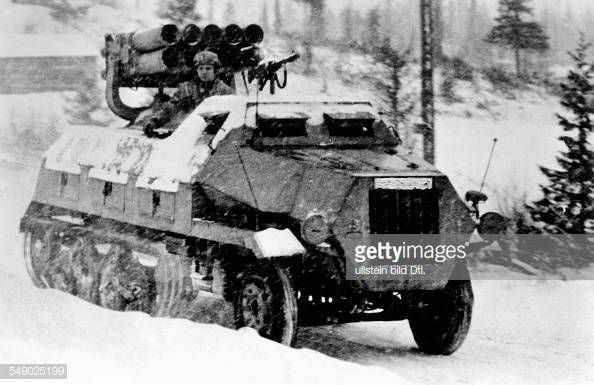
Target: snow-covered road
523	332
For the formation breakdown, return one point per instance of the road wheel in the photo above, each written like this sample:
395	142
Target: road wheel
155	284
82	259
126	284
41	246
442	321
63	260
266	301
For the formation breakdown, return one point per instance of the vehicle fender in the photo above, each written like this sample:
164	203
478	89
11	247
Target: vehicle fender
271	243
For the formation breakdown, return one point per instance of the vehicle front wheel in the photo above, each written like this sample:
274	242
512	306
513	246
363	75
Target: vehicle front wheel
266	301
442	320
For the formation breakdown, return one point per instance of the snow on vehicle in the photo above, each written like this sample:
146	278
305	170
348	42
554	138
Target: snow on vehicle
254	201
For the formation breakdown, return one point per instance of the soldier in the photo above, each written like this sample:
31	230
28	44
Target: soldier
191	93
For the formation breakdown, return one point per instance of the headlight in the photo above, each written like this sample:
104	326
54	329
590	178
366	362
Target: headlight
491	223
315	229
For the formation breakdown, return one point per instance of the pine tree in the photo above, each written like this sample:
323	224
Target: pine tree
511	30
179	11
400	107
568	203
278	21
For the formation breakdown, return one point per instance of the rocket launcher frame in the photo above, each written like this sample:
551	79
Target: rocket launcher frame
162	57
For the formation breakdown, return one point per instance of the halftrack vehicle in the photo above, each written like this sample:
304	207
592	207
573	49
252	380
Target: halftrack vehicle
256	201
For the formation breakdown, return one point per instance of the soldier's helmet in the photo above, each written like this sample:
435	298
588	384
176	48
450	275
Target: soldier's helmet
206	58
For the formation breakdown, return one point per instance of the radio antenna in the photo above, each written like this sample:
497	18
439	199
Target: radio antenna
488	163
257	104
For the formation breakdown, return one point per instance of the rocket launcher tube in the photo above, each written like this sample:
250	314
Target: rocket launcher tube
152	39
233	34
253	34
191	34
157	61
212	35
150	63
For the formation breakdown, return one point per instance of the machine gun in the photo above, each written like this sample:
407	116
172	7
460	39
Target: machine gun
266	72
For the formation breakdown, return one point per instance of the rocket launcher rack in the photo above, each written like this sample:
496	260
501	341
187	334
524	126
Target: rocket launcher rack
162	57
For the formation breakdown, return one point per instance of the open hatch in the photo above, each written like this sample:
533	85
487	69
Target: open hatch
282	125
350	124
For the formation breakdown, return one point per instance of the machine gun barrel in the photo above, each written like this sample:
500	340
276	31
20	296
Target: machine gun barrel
275	65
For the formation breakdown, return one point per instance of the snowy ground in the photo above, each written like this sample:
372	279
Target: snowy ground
522	333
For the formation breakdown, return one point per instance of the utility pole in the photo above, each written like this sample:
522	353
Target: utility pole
427	107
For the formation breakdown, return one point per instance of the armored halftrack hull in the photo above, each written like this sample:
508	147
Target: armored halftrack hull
204	197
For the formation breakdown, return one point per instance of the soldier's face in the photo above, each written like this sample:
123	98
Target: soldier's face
205	72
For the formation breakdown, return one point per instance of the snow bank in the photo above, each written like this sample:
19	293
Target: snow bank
103	346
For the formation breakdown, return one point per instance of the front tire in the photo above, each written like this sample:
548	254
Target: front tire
441	325
266	301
